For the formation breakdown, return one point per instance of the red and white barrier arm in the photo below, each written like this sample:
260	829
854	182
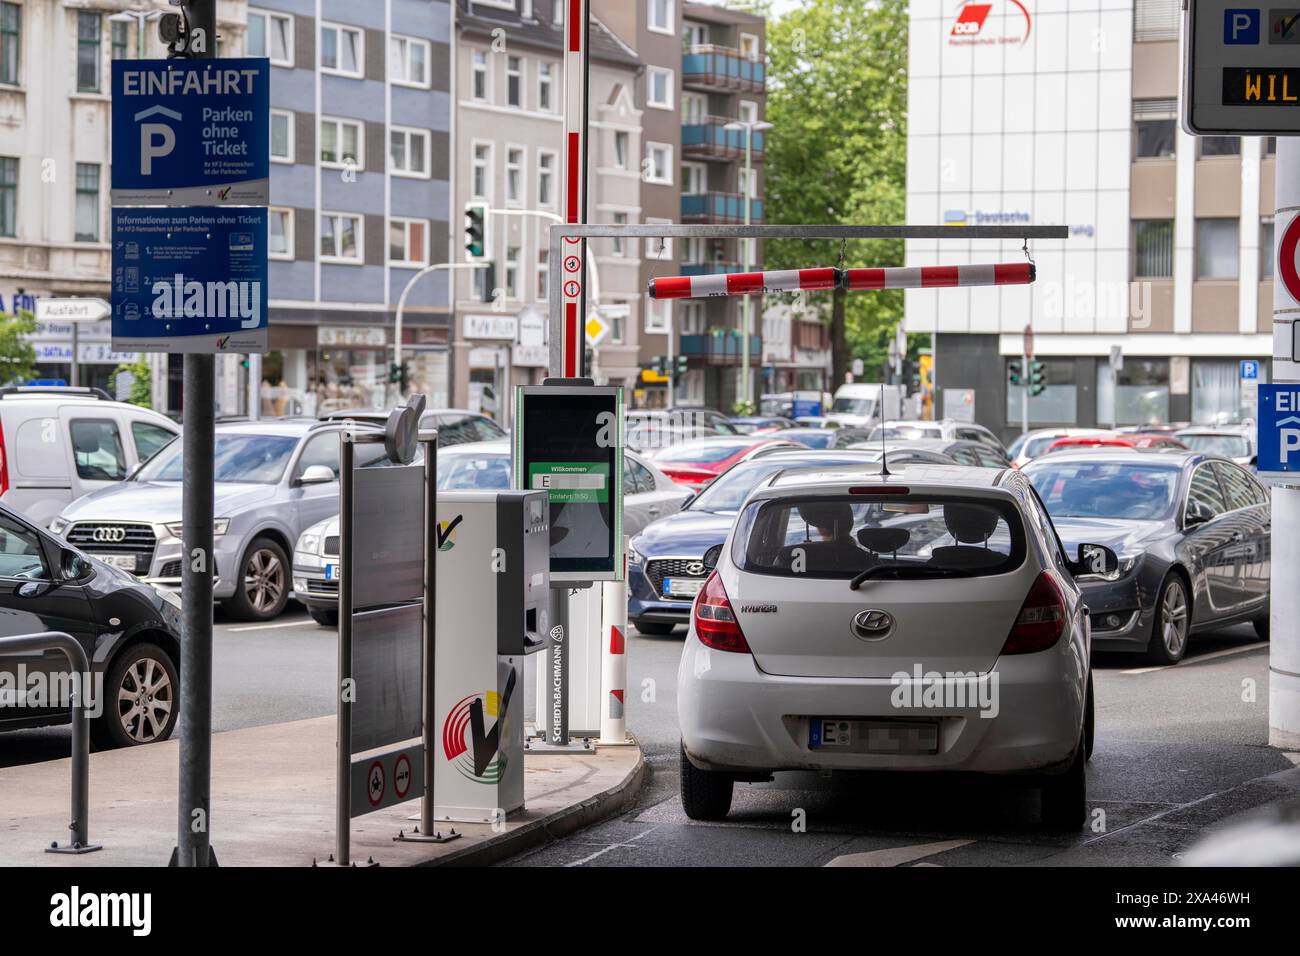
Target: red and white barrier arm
789	280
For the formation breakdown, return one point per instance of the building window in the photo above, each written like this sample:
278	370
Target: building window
270	35
481	181
1156	20
545	179
618	244
658	315
119	38
11	42
1153	248
340	143
1266	251
479	84
695	108
281	234
409	61
1057	404
409	150
693	320
659	16
695	178
512	272
8	196
1220	145
514	81
408	242
1155	126
1137	394
659	164
341	50
659	88
87	202
620	149
1216	391
1217	249
749	46
545	85
89	32
1270	145
281	136
543	275
514	176
656	247
340	238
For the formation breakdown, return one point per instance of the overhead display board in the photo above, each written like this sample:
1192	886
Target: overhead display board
1241	69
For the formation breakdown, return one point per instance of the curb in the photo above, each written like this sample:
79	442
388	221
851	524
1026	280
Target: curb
551	828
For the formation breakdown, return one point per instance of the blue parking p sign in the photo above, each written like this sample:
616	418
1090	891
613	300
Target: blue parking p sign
1249	370
1241	26
1278	438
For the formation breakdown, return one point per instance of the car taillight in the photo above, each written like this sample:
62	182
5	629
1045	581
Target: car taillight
4	464
715	621
1041	619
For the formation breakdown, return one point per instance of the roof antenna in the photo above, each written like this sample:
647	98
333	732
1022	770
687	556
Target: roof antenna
884	452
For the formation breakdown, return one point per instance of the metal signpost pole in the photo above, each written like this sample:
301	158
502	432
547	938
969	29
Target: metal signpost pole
343	757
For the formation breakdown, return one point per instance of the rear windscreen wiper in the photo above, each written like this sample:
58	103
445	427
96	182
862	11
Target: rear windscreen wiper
900	573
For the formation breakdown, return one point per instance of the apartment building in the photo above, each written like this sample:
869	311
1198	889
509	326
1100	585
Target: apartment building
509	96
1068	114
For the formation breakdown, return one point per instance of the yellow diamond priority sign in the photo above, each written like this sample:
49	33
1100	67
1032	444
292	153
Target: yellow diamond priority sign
597	328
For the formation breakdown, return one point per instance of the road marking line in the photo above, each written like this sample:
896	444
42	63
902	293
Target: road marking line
897	855
265	627
1226	652
629	843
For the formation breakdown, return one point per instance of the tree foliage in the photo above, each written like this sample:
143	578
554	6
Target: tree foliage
17	354
141	381
837	98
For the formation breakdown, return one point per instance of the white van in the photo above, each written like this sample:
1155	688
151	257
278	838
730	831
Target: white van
856	405
58	443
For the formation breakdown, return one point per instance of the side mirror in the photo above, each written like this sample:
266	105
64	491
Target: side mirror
316	475
73	566
1198	512
1095	560
686	502
711	557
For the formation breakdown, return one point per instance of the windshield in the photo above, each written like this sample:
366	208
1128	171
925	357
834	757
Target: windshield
1104	489
853	406
817	439
473	471
908	432
884	538
1036	447
1229	446
251	459
728	492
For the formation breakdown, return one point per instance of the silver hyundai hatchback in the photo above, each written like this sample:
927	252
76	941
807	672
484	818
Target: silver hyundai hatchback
273	480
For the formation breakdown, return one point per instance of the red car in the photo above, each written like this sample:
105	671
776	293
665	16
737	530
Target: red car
1119	440
697	462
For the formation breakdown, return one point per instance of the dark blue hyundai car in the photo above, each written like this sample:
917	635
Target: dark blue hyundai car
666	564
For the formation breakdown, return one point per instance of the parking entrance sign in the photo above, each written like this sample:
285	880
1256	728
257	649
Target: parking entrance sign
1279	430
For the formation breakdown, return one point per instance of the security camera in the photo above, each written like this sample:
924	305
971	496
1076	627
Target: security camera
170	28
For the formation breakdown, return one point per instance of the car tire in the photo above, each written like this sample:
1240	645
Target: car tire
262	584
1065	796
325	617
654	628
147	671
1089	722
1169	625
706	794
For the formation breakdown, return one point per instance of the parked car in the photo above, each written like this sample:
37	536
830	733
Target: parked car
821	437
57	444
1034	443
760	424
821	637
857	404
956	450
943	428
1231	441
456	426
1152	441
648	494
129	630
699	461
1192	534
651	430
666	561
273	479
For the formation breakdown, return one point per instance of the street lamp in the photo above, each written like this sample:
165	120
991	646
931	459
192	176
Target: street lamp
139	18
749	127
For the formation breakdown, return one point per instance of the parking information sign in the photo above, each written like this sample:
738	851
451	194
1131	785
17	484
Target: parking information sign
191	132
1242	69
1279	430
189	280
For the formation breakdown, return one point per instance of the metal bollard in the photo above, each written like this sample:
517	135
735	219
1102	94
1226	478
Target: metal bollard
613	661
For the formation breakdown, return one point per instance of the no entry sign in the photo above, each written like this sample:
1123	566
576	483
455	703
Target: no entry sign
1288	251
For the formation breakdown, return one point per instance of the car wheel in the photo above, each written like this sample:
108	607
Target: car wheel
706	794
140	698
262	586
1089	722
325	617
1170	624
1065	796
654	628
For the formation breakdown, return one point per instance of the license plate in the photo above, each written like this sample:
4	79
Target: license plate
682	587
125	562
331	572
873	736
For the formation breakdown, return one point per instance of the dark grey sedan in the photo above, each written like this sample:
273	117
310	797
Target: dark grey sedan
1191	532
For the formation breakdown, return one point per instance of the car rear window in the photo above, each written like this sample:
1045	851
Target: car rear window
1229	446
473	471
705	454
896	537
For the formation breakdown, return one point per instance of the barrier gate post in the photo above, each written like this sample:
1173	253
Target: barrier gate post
613	661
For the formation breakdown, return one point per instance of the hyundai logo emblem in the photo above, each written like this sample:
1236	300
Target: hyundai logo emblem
695	568
107	535
873	624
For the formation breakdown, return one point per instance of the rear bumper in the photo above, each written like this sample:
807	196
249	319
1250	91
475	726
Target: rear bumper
735	717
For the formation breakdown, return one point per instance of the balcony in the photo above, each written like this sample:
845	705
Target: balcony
712	268
719	208
708	139
722	68
720	347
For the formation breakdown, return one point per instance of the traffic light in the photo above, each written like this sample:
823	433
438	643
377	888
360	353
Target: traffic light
399	375
657	364
1037	378
1016	373
488	276
476	243
682	365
